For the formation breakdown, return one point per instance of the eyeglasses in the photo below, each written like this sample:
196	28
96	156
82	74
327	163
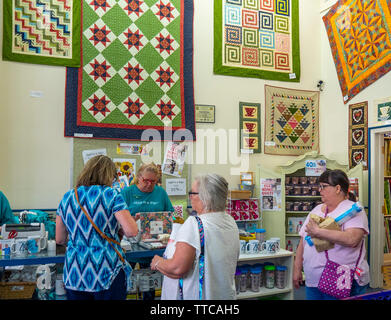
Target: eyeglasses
323	186
148	180
191	193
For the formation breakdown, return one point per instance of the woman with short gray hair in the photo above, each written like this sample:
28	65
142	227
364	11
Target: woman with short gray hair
202	261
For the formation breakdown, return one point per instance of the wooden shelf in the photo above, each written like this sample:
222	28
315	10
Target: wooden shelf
292	235
298	212
302	197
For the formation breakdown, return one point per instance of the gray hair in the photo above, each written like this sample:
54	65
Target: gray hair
213	192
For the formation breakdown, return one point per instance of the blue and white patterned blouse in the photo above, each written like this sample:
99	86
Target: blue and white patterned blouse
91	264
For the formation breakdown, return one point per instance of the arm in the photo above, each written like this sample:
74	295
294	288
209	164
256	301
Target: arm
298	265
61	232
349	238
127	223
179	265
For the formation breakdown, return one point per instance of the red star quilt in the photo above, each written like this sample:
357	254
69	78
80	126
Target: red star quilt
136	74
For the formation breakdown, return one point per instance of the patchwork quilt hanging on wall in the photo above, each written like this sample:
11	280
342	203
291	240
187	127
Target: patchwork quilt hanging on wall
42	31
250	127
257	38
137	71
359	33
358	134
291	121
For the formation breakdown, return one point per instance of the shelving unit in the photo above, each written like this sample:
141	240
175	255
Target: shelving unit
282	257
275	222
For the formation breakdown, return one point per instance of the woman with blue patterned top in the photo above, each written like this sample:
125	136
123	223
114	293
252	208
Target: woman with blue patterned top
92	268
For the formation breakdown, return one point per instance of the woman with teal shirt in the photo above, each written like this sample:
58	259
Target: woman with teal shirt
6	215
145	196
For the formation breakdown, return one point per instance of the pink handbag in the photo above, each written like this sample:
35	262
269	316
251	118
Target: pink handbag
336	280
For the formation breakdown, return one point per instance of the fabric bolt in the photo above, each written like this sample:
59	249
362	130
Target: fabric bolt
91	264
221	254
314	262
360	39
291	121
139	201
137	71
6	215
42	32
257	39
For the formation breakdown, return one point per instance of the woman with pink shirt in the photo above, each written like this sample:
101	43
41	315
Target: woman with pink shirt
333	186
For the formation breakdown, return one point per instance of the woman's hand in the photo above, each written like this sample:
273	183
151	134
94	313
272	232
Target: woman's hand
297	278
155	261
312	228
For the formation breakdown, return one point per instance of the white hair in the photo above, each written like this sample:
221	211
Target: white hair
213	192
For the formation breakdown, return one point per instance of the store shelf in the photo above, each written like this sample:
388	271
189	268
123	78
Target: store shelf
298	212
264	256
262	293
302	197
282	257
292	235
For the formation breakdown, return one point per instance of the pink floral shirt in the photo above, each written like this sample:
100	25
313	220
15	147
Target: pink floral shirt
314	261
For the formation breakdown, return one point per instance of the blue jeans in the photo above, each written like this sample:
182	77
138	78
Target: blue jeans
117	291
313	293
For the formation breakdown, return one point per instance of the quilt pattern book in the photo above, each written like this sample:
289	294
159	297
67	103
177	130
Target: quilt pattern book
257	38
42	31
137	71
291	121
359	33
358	134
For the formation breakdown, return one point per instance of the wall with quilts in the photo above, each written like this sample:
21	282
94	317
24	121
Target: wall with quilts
334	139
36	159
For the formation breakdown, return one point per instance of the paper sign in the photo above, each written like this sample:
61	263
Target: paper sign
314	168
88	154
176	187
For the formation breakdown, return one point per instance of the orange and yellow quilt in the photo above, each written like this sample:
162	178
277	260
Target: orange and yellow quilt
359	33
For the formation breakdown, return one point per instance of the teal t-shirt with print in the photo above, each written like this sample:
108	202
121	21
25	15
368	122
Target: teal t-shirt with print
139	201
6	215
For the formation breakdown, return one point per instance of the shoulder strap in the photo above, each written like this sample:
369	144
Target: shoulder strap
201	261
98	230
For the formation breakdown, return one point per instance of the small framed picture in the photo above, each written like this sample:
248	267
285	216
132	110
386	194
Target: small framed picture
204	113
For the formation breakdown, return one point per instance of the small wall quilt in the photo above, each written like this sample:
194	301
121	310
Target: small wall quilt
137	71
250	127
291	121
358	134
42	31
257	38
359	33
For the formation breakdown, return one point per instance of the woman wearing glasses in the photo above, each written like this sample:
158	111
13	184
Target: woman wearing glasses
348	249
145	196
203	262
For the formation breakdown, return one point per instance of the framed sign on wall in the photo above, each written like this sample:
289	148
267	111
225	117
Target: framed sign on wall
205	113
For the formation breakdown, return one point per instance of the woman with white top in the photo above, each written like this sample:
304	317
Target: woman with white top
184	260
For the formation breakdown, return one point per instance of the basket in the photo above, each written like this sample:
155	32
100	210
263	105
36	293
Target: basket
17	290
239	194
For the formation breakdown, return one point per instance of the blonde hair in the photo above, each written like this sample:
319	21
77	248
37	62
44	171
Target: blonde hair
99	170
150	167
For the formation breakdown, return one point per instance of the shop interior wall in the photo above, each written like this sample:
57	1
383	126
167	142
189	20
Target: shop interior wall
36	159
